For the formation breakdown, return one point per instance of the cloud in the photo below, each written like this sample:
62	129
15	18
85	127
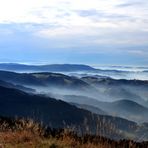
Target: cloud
98	16
92	26
130	4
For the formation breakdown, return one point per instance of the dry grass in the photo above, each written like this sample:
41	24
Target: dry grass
27	139
28	134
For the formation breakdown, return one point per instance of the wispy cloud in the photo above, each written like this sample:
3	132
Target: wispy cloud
131	4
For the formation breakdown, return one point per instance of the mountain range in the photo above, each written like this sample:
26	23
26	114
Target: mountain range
52	67
113	108
57	114
122	108
87	91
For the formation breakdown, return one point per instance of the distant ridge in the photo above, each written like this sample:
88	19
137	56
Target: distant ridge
50	67
122	108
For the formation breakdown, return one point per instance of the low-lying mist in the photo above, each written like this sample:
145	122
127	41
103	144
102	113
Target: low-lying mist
124	98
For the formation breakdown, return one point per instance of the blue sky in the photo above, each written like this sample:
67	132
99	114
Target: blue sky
74	31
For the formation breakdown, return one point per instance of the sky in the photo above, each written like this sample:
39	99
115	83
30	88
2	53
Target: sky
99	32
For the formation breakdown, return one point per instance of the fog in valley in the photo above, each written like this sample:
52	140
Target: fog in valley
91	90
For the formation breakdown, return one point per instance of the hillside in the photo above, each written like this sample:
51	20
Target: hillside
47	68
122	89
127	109
56	113
44	79
122	108
20	87
90	108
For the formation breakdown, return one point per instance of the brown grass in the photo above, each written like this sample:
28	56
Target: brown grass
27	139
28	134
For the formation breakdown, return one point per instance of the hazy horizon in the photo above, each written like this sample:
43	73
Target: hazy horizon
92	65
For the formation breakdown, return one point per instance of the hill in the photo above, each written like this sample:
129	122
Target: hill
47	68
20	87
127	109
56	113
122	108
134	90
90	108
44	79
